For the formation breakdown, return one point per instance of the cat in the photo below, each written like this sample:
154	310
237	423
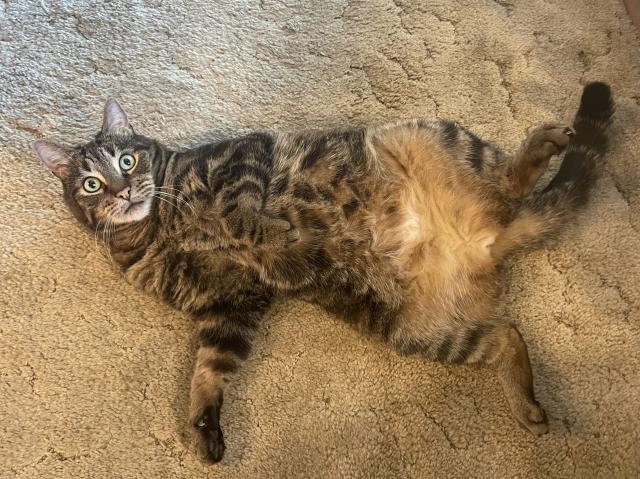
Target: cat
400	229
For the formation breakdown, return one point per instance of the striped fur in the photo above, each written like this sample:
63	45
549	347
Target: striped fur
398	228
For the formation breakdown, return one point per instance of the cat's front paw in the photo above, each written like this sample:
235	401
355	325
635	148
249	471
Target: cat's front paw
280	232
209	438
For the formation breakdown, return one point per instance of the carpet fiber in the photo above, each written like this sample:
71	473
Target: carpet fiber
94	375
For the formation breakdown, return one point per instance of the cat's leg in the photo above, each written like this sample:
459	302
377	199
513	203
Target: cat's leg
524	169
494	344
224	341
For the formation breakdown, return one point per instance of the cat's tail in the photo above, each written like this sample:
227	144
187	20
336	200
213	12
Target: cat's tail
544	214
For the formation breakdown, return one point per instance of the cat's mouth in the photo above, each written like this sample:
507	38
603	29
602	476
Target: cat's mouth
132	206
133	211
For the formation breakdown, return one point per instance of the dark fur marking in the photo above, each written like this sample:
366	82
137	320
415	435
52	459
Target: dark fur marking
342	171
476	152
469	343
305	192
229	209
202	170
311	220
280	184
223	365
241	170
246	188
318	149
443	351
326	194
226	341
449	132
133	257
350	207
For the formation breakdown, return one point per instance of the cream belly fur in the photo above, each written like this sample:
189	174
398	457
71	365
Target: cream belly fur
444	230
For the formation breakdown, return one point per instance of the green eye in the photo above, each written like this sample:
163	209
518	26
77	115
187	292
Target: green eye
91	184
127	162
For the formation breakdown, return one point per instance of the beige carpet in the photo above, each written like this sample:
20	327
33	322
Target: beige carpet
94	375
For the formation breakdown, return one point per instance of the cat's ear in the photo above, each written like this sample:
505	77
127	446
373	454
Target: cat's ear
115	119
54	157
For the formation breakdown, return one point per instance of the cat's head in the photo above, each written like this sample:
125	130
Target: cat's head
108	180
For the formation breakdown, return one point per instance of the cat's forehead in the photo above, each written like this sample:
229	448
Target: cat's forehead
106	149
103	153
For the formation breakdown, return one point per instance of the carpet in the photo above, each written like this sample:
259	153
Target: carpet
94	375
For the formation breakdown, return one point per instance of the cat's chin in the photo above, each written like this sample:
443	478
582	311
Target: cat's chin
135	212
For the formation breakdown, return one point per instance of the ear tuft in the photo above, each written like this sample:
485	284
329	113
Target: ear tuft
54	157
115	119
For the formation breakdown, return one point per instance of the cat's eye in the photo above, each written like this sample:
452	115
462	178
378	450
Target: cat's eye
91	184
127	162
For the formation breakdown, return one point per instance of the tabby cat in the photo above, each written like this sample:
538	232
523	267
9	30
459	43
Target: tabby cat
399	228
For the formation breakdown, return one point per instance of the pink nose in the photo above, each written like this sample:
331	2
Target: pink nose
125	193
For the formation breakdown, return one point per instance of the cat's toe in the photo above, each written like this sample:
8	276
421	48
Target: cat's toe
293	235
533	418
554	136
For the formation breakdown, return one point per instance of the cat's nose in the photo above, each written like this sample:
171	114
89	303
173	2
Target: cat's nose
125	194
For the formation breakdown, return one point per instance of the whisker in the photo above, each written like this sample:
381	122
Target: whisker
95	235
155	195
170	195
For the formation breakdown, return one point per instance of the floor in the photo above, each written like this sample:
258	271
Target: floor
94	375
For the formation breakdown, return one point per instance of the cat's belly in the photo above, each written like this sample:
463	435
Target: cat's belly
442	227
444	234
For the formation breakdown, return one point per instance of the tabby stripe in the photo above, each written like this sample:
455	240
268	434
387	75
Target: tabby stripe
469	343
476	151
443	351
342	171
229	209
238	226
254	231
202	170
259	236
305	192
248	187
280	184
178	181
244	315
223	365
133	258
212	151
318	149
225	341
310	219
449	132
356	142
242	170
